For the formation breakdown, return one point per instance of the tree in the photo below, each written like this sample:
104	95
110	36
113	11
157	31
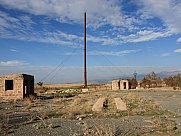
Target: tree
169	81
133	83
177	79
145	83
40	83
152	76
173	81
151	80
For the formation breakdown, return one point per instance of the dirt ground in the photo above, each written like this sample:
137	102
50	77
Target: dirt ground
148	113
170	100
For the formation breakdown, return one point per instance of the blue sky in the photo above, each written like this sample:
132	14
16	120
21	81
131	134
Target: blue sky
45	38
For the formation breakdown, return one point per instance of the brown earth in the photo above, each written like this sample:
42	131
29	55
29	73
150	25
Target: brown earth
149	113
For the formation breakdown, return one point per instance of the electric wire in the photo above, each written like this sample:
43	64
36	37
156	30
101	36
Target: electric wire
108	60
59	65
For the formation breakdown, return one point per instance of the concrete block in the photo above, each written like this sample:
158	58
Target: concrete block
98	106
120	105
85	90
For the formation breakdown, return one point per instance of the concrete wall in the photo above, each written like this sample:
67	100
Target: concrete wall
124	85
19	85
115	85
120	85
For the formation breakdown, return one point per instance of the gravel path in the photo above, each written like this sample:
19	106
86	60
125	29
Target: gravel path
170	100
122	126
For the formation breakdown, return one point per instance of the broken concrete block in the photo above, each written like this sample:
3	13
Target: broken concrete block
120	105
85	90
99	105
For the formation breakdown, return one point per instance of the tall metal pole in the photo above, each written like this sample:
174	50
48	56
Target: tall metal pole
85	66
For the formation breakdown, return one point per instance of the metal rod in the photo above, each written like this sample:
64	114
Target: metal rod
85	66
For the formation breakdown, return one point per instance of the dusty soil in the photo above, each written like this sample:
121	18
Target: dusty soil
170	100
149	113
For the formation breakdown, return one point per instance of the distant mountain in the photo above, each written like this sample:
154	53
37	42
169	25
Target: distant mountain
170	73
139	76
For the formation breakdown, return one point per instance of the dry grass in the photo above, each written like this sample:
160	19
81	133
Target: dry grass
91	87
99	87
79	107
49	86
142	106
159	89
82	105
5	126
101	130
27	101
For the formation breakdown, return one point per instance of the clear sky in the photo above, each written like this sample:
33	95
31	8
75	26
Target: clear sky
45	38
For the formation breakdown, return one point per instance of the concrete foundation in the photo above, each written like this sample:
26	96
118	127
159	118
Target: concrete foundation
120	105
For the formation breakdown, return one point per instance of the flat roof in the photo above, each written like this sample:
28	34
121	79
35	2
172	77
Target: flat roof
15	75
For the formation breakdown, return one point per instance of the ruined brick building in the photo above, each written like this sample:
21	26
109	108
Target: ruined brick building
16	86
120	85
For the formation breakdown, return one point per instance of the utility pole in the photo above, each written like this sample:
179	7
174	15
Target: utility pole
85	66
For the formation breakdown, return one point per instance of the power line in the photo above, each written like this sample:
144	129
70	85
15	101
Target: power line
60	68
108	60
59	65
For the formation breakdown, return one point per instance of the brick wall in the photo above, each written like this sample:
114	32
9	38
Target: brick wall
18	86
115	85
